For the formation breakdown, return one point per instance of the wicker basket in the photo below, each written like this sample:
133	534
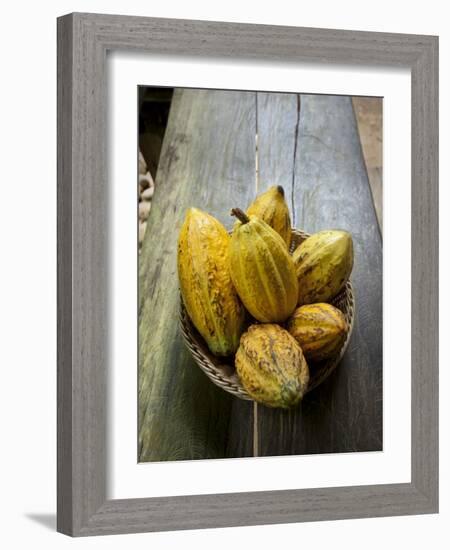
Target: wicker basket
221	370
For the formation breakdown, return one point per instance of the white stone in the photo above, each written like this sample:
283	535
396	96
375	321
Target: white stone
144	210
144	182
147	194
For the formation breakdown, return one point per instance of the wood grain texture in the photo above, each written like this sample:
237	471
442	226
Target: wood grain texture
331	190
277	122
207	161
65	489
425	273
256	508
83	281
269	42
82	298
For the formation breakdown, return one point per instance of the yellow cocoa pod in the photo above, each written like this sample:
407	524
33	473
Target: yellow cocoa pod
208	293
271	366
323	263
262	270
320	329
271	207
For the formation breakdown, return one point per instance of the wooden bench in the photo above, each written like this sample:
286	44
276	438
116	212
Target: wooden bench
220	149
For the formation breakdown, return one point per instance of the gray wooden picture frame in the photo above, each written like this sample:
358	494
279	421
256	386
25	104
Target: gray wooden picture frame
83	41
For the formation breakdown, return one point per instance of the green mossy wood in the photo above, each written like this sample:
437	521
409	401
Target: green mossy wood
207	161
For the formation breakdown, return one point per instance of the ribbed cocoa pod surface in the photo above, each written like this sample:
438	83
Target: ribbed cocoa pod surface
320	329
271	207
271	366
262	270
205	282
323	264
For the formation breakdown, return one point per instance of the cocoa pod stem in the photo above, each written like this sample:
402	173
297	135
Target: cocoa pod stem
240	215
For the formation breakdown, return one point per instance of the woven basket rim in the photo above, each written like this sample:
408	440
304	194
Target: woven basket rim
221	371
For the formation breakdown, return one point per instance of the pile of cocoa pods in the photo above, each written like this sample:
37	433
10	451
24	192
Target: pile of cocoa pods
254	301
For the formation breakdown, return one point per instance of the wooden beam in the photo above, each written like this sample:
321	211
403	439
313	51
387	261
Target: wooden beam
331	190
207	161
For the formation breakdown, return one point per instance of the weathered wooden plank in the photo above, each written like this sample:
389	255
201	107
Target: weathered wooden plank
278	116
277	126
331	190
207	161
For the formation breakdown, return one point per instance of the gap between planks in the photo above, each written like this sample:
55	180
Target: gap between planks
297	126
255	405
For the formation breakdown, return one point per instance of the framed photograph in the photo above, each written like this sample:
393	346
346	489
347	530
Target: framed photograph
247	274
